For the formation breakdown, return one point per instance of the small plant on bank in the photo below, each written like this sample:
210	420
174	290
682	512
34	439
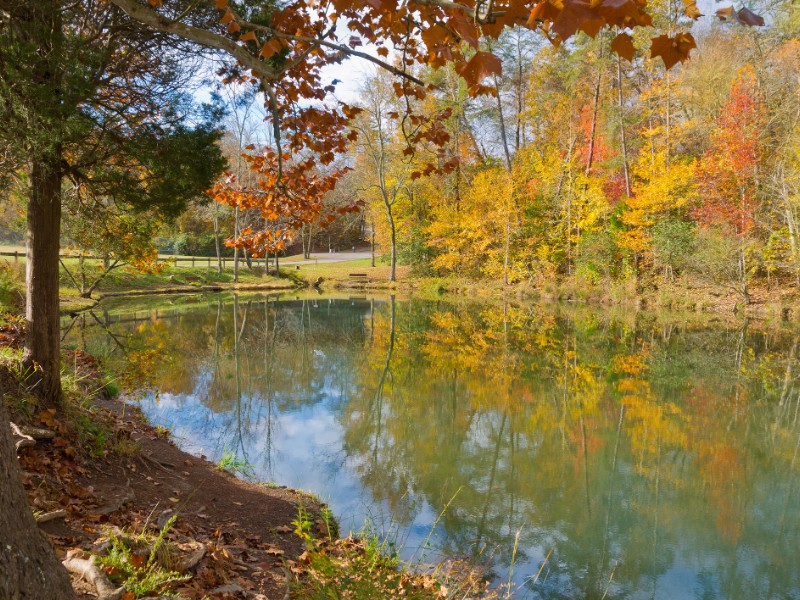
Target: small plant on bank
234	465
142	574
368	567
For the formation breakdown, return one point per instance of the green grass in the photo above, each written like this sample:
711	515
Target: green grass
142	575
368	566
234	465
337	273
174	279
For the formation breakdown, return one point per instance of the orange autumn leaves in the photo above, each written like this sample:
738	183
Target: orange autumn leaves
296	42
285	203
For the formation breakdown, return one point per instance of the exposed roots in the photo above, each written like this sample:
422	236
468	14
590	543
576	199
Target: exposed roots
29	435
88	570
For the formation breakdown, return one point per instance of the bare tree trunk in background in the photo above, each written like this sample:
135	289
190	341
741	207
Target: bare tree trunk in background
216	238
595	108
623	141
236	249
503	133
506	249
393	237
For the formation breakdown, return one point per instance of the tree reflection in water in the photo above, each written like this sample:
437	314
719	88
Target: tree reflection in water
641	457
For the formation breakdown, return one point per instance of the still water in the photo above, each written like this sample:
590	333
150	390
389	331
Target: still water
623	456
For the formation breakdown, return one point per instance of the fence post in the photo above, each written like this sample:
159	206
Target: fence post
16	256
193	262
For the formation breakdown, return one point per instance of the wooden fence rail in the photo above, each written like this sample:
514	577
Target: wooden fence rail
193	261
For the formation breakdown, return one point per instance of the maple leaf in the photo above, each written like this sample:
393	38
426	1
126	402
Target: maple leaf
270	49
745	16
623	46
481	65
672	50
690	9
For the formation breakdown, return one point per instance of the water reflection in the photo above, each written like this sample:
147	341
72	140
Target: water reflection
633	457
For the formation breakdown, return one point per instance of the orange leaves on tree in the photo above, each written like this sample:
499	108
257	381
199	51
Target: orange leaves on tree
285	202
672	50
480	66
271	48
728	173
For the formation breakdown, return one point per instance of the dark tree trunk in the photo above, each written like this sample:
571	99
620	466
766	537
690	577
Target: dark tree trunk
41	27
42	340
28	566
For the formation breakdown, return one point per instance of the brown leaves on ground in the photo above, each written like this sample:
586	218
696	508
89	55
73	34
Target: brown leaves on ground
101	489
354	568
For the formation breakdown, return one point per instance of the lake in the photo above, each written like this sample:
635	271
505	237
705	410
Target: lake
577	453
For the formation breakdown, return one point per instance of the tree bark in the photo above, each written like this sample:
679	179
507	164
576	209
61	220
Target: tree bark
236	248
28	566
216	238
393	235
42	337
622	139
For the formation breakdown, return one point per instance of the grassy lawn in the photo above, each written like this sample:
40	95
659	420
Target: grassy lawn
339	272
196	279
127	280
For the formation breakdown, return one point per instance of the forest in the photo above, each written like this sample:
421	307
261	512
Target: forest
272	270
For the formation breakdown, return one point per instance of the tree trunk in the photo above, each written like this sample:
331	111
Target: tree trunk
42	337
743	274
503	134
595	108
393	267
623	141
236	248
216	238
28	566
506	249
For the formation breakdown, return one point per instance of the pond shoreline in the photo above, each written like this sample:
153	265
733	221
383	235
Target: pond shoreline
252	539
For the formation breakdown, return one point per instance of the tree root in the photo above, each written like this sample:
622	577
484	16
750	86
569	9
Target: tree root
51	516
88	570
29	435
164	466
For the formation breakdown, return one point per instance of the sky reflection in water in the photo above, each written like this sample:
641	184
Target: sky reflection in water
636	457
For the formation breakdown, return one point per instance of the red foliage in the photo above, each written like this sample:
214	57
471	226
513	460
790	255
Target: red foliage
728	173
